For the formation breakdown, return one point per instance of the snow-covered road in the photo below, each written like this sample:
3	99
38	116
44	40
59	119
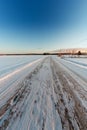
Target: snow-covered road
14	73
50	97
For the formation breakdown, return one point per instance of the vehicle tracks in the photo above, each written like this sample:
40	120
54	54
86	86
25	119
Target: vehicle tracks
47	99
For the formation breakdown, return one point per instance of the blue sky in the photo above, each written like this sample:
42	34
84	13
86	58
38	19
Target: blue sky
42	25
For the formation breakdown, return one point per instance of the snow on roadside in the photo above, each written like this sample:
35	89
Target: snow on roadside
8	84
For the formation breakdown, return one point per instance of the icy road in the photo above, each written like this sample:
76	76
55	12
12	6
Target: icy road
48	93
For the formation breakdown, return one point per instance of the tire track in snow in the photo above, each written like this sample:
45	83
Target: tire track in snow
39	107
9	82
73	112
50	103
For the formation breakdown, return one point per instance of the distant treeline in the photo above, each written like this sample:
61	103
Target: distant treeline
46	53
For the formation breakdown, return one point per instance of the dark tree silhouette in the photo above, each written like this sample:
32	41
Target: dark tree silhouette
79	53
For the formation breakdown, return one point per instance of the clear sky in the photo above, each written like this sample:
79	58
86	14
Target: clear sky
42	25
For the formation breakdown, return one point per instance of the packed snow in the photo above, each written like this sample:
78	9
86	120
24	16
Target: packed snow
43	93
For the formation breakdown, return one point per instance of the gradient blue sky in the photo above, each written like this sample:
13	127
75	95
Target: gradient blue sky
42	25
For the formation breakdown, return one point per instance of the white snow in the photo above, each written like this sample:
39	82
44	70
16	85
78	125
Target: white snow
76	65
10	63
43	93
38	109
10	80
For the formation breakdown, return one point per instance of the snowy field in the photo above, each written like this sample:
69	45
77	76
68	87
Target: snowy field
43	93
80	61
77	65
10	63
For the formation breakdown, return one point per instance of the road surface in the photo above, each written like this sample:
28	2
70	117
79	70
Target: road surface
51	97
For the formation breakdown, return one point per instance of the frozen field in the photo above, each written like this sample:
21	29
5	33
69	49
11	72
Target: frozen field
76	65
43	93
80	61
10	63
